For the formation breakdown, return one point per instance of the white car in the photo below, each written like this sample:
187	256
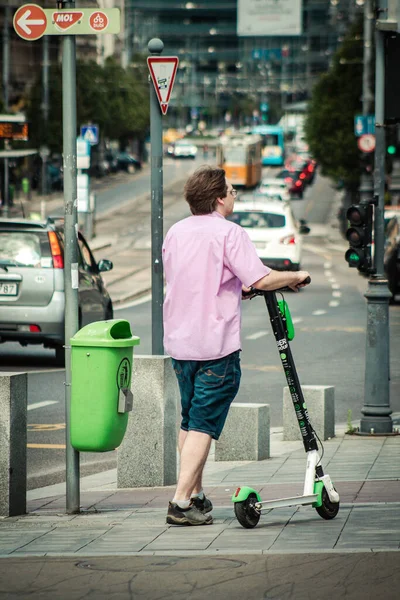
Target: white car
274	231
183	149
274	188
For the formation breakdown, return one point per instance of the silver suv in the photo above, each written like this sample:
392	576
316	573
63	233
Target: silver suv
32	299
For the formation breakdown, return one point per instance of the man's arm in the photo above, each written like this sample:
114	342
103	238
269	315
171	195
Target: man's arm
280	279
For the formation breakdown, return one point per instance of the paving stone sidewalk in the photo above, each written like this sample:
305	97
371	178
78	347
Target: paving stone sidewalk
365	471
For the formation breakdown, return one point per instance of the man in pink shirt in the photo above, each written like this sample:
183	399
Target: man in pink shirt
208	261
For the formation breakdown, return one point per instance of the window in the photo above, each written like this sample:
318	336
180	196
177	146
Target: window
258	219
25	249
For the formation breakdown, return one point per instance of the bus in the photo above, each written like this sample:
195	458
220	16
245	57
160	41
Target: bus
240	157
273	142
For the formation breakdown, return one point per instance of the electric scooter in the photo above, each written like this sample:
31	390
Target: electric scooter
318	490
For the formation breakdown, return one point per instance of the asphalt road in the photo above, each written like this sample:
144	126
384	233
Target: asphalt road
329	348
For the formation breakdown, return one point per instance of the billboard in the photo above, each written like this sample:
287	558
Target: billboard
269	17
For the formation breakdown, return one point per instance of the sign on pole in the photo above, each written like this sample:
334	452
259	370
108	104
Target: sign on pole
31	21
90	133
366	143
364	124
162	71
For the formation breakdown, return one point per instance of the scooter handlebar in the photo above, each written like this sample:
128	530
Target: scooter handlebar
256	292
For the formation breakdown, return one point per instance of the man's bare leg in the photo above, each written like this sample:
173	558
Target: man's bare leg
194	452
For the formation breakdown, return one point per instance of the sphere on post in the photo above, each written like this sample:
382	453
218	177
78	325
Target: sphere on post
155	46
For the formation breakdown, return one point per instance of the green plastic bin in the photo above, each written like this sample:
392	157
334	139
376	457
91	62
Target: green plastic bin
101	370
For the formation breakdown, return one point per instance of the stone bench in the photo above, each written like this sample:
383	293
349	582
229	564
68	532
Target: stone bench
147	455
320	403
246	434
13	436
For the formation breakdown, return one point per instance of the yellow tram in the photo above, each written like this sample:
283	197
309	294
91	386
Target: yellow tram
240	156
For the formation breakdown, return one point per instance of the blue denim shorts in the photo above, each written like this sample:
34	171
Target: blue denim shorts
207	389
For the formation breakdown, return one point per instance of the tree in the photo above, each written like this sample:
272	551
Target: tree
335	100
109	96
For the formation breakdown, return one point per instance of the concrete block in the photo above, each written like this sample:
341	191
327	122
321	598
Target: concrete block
147	455
13	405
320	403
246	433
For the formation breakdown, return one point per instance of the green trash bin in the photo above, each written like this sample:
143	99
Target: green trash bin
101	369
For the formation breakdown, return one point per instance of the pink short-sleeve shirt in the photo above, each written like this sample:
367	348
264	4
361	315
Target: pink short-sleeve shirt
206	260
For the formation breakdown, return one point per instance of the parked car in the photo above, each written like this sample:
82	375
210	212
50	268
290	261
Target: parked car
32	297
303	164
274	188
295	181
278	194
274	232
182	149
391	257
127	162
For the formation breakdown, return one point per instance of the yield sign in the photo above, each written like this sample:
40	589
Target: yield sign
30	22
163	70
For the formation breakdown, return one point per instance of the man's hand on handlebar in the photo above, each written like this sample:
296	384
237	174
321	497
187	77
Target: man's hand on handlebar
303	279
247	293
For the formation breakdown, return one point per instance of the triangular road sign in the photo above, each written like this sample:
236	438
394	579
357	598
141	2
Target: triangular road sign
163	70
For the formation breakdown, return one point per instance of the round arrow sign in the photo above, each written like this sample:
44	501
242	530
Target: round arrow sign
30	22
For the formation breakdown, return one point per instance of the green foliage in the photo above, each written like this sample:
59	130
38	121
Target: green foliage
350	428
109	96
335	100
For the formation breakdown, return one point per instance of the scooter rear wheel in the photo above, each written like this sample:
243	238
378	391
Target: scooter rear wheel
329	509
246	513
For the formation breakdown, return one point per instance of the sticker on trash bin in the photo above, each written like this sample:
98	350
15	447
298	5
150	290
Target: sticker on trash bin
124	374
125	398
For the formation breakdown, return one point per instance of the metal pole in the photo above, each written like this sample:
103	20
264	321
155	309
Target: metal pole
45	75
6	77
71	278
376	409
367	97
155	47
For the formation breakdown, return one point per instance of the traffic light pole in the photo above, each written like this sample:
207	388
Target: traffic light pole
376	410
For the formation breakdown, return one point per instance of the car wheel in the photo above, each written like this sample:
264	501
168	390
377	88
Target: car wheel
60	356
109	312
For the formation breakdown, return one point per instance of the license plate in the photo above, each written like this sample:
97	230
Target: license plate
8	289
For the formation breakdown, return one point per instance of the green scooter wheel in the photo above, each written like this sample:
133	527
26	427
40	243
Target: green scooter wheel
328	510
246	512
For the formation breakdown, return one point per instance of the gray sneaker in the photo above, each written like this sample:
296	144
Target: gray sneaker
204	506
186	516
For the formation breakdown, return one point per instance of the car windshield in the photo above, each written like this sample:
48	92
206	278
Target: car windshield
25	249
257	219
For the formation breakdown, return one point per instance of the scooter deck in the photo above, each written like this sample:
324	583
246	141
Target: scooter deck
284	502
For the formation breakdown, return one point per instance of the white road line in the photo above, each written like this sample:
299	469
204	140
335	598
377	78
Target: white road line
41	404
328	273
334	303
337	294
297	320
327	265
317	313
255	336
335	286
332	280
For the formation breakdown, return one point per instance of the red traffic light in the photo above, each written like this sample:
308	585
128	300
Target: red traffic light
357	215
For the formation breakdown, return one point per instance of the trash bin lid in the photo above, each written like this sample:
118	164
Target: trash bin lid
115	333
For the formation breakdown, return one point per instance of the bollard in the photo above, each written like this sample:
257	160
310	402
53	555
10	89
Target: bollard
13	423
147	456
320	402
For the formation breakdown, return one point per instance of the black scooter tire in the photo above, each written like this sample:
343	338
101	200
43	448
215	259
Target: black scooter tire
246	514
329	509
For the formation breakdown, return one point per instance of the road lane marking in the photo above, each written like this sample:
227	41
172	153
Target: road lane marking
316	313
263	368
41	404
297	320
334	328
46	426
334	303
53	446
255	336
337	294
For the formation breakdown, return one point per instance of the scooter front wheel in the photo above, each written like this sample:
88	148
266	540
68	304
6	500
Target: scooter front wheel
328	510
246	513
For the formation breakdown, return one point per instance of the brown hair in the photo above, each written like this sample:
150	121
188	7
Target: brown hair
203	188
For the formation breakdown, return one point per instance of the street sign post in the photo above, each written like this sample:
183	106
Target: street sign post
31	22
162	71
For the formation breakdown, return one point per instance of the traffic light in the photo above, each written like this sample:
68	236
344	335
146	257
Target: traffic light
359	236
